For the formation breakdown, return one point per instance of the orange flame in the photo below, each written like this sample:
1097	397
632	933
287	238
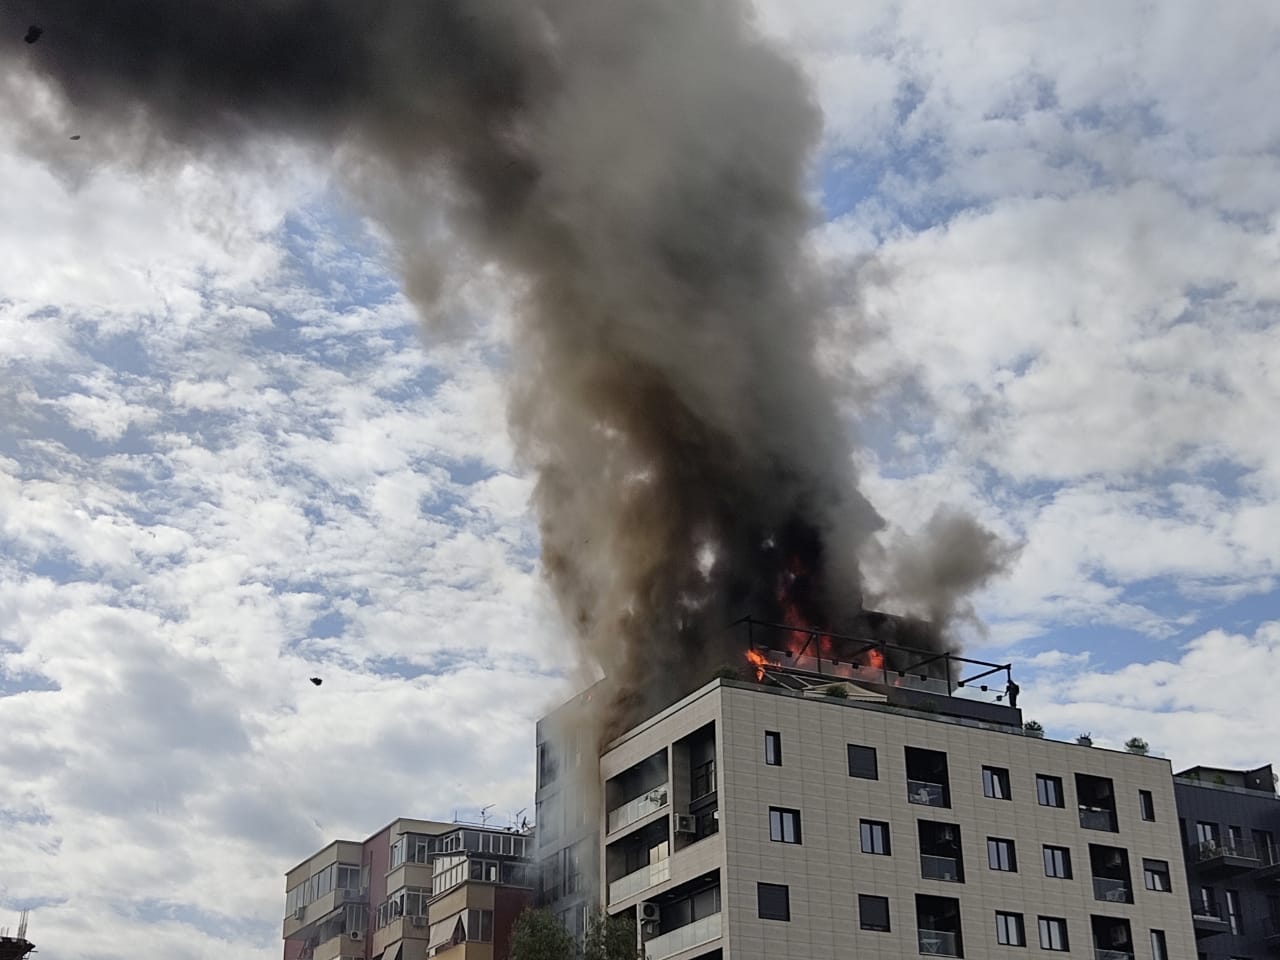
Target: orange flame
759	662
875	659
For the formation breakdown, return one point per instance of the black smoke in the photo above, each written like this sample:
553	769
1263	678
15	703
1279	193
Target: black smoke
637	168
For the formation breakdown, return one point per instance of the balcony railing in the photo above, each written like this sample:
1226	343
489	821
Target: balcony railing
939	868
1095	818
1206	909
1111	890
1213	849
927	793
938	943
638	808
1101	954
641	879
683	938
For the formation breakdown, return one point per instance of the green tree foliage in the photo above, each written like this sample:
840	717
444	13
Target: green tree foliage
611	938
537	935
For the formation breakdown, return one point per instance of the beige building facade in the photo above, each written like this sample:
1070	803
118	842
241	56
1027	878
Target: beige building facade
759	823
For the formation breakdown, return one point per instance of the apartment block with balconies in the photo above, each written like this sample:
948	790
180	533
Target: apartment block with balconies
414	890
1230	827
757	822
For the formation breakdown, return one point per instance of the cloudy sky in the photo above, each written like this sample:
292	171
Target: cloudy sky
231	460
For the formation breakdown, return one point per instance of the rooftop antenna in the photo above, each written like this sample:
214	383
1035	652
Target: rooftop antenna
484	815
22	925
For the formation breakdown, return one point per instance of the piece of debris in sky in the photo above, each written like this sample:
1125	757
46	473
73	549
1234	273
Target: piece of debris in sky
317	681
33	33
75	136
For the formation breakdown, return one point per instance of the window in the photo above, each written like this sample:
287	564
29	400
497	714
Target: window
875	837
1053	934
1265	845
1155	875
1057	862
773	901
1234	919
548	767
873	912
1001	855
1049	790
1147	805
862	762
1010	930
773	748
995	783
1159	949
784	825
1207	833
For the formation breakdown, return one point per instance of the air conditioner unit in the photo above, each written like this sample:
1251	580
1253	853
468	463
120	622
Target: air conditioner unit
650	912
686	823
299	913
355	934
418	921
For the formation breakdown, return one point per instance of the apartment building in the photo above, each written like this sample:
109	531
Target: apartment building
776	820
1230	825
415	889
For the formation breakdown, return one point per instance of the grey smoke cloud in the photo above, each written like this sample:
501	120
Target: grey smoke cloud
637	168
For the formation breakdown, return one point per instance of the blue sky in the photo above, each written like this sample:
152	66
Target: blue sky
232	460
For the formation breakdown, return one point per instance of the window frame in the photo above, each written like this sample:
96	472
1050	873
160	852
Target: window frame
867	830
1049	780
855	749
1012	921
772	748
773	888
864	898
1066	862
784	817
1049	925
1160	870
1147	806
996	784
1159	945
1002	845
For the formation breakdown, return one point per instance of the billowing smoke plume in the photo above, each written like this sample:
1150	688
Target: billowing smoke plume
637	167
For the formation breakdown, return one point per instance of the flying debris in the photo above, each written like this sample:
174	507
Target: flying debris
33	33
75	136
317	681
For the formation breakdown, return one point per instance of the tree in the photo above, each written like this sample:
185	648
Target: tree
537	935
611	938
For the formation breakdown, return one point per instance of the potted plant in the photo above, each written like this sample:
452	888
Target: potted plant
1137	745
837	690
1085	739
1032	728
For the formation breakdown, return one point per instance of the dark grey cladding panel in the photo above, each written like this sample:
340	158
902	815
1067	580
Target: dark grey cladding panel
956	706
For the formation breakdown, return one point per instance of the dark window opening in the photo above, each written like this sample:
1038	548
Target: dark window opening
873	913
938	930
1112	938
1109	867
875	837
1147	805
863	763
1096	797
1155	875
927	780
773	901
940	851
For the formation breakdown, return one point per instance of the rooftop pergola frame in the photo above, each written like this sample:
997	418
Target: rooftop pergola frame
897	661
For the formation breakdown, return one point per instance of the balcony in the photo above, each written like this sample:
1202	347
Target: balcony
939	943
683	938
1225	858
1111	890
638	808
1098	818
642	879
939	868
1207	918
1100	954
924	792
